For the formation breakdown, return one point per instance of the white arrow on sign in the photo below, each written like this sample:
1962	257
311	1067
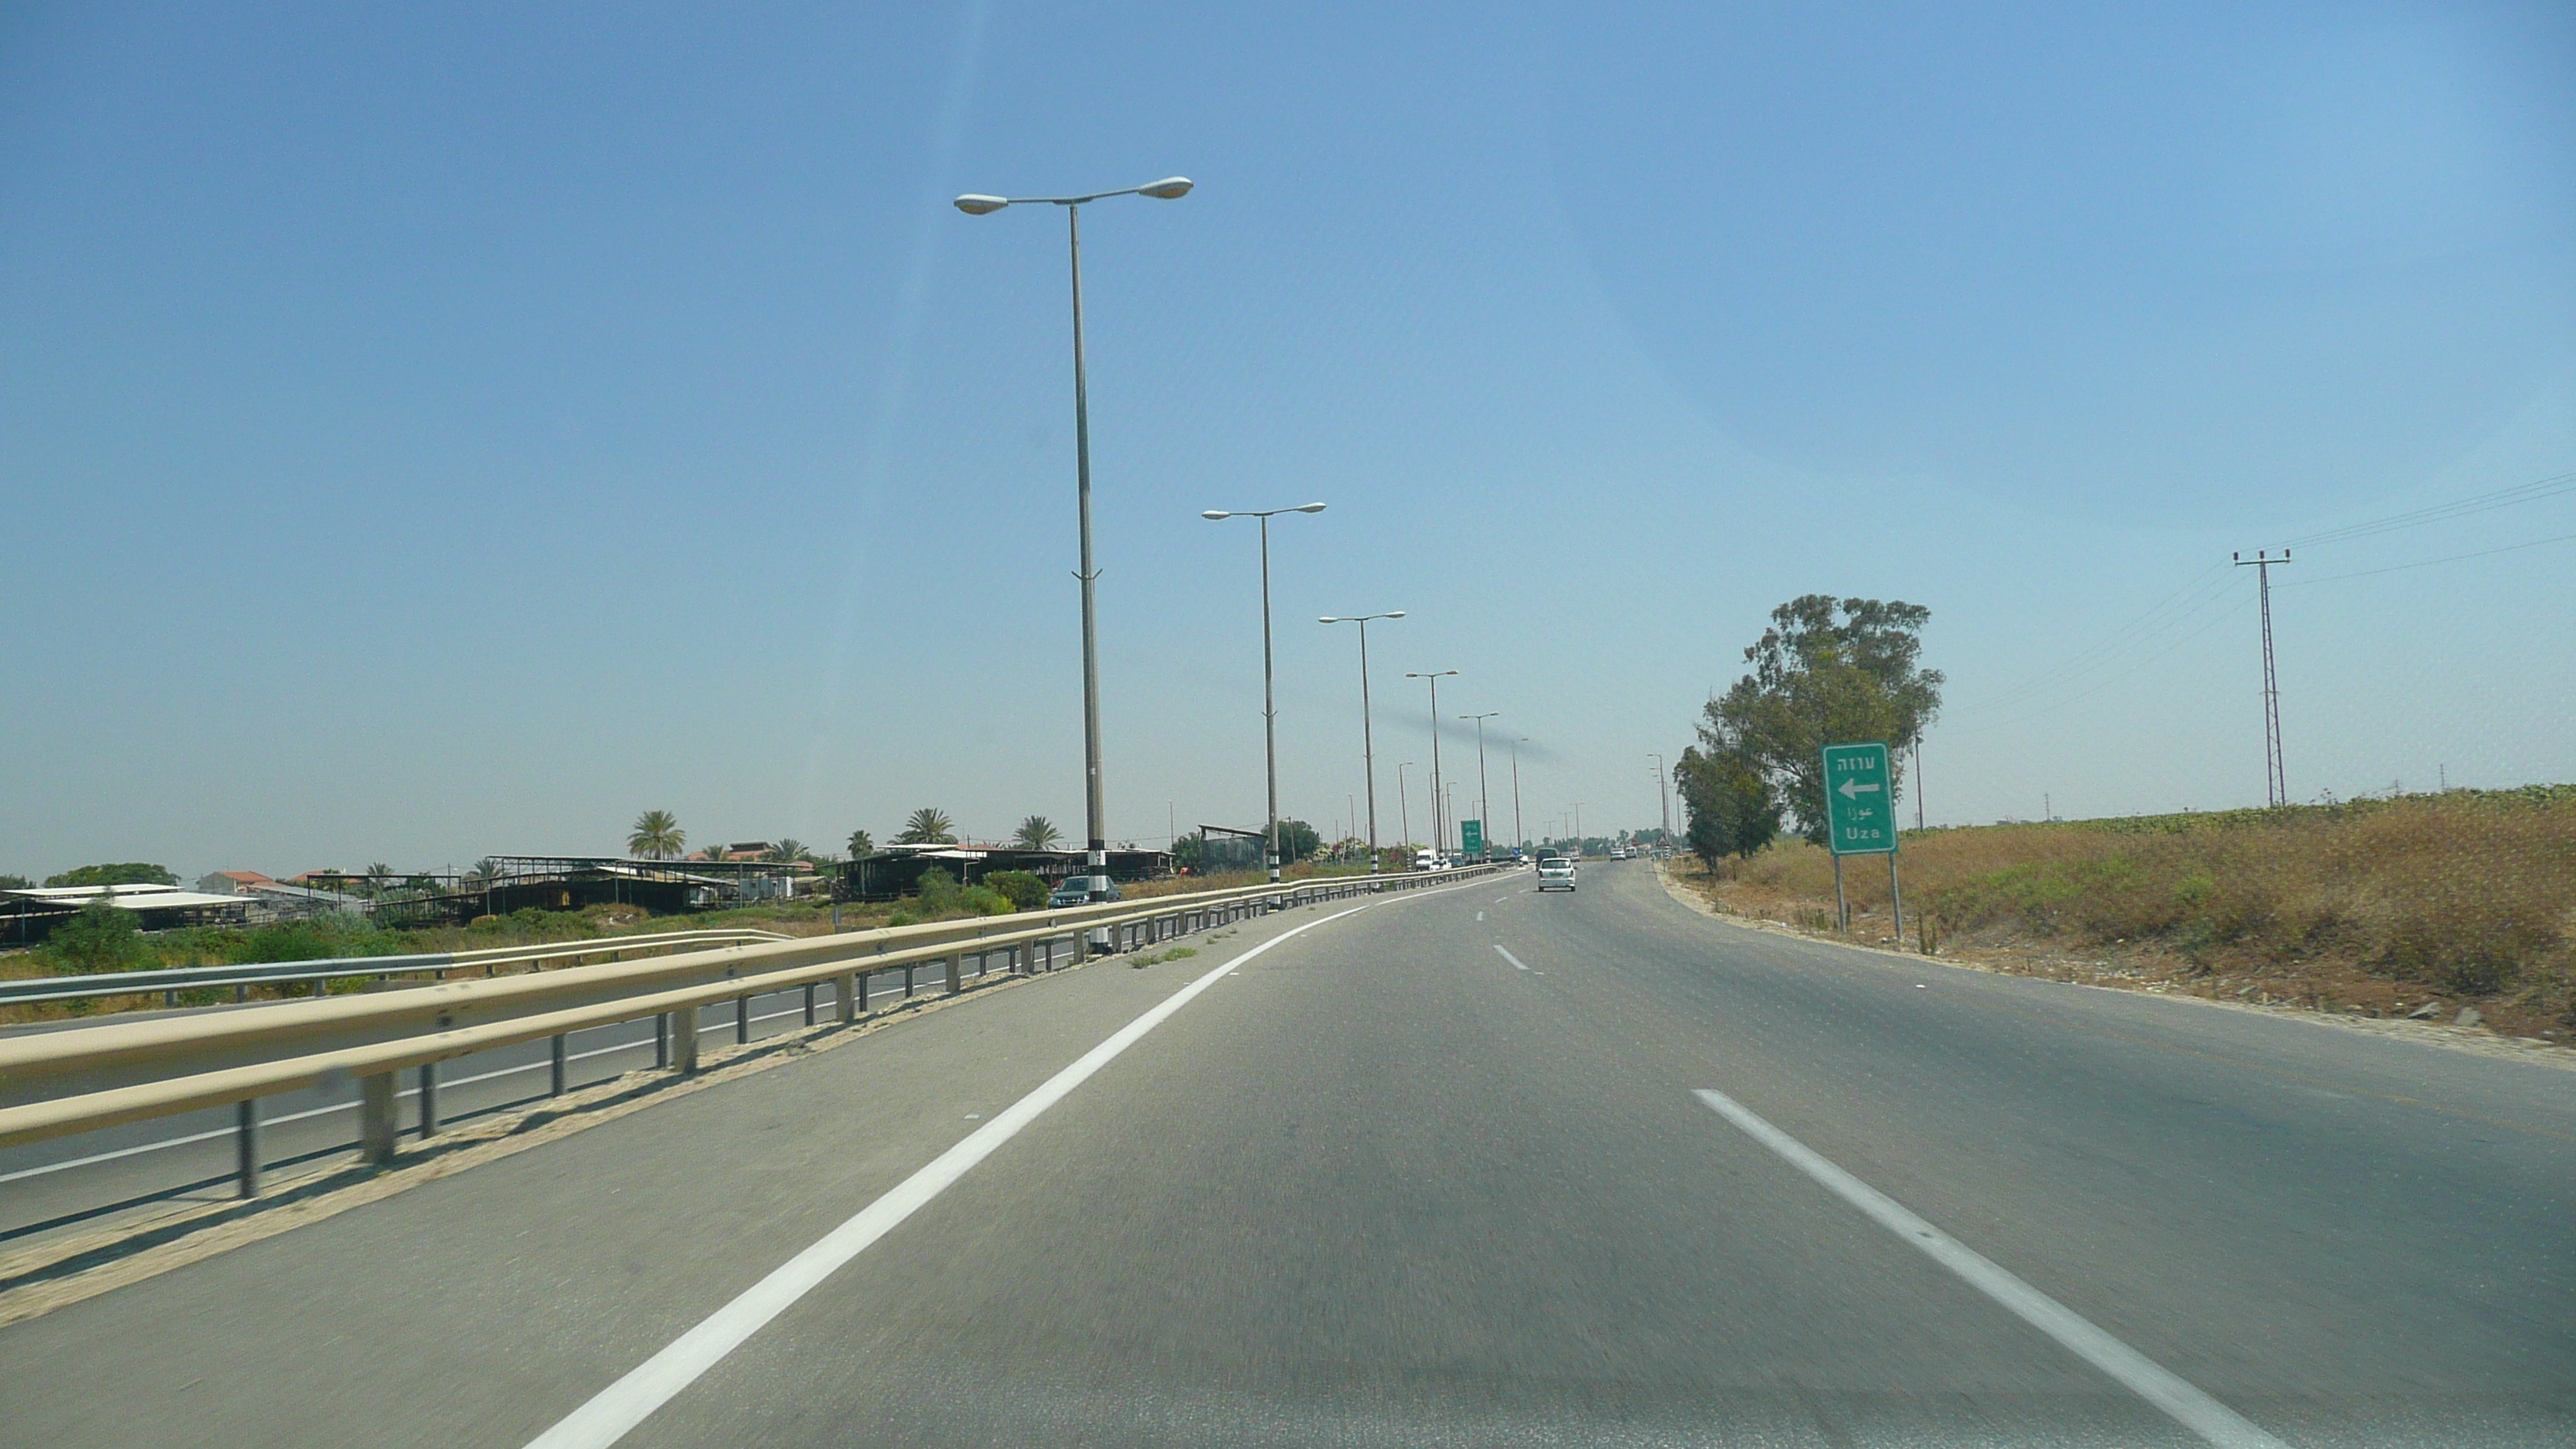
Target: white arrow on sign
1852	789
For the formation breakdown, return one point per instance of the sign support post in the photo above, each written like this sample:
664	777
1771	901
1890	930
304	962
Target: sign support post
1860	819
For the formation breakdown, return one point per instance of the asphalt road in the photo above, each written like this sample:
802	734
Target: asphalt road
1440	1172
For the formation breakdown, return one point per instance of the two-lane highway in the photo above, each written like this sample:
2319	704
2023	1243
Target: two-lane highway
1475	1167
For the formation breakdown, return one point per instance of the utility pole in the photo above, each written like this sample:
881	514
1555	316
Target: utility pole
1577	808
1664	784
2276	780
1918	784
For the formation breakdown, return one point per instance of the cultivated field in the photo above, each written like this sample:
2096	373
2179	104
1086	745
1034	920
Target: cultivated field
2417	905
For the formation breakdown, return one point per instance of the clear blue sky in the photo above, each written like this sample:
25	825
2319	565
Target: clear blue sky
432	432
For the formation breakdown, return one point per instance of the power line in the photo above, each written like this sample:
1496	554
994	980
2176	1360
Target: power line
2175	611
2440	512
2428	563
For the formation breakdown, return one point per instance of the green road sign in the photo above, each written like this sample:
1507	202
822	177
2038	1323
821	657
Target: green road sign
1471	837
1860	808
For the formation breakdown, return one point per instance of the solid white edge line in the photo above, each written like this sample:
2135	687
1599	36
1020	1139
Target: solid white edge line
1515	960
614	1411
2149	1380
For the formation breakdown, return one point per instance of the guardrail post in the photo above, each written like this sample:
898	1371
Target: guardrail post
555	1063
428	1099
907	981
684	1040
956	972
246	1146
845	993
741	1020
662	1042
809	1003
376	1125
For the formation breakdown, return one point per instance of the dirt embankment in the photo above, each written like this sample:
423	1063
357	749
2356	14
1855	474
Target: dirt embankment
2459	907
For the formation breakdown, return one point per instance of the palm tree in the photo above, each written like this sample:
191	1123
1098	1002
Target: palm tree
788	851
927	827
1037	833
377	876
862	844
484	872
657	836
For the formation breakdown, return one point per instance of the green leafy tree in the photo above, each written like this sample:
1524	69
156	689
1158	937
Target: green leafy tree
1298	841
1731	808
14	882
862	844
1037	833
131	872
657	836
102	937
927	827
1825	672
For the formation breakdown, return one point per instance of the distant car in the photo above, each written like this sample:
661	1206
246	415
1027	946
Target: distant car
1556	873
1084	890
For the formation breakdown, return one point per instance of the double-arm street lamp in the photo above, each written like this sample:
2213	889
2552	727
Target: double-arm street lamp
1484	803
1168	189
1368	745
1269	710
1439	826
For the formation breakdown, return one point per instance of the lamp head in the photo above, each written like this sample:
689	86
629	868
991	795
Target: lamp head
974	205
1216	513
1398	614
1312	508
1170	188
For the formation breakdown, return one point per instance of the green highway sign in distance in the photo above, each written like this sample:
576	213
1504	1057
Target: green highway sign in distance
1860	811
1471	837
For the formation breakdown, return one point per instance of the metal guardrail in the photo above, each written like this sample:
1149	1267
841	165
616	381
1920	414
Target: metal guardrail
170	981
86	1078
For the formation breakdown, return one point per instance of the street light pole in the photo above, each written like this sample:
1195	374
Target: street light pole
1404	815
1170	188
1484	802
1269	703
1368	744
1520	842
1439	829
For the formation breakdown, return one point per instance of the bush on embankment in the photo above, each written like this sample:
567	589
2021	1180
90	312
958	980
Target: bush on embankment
2370	905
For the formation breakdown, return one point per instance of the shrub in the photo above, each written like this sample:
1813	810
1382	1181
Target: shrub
318	939
102	937
1023	888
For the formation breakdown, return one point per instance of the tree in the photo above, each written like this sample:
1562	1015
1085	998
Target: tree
101	938
131	872
927	826
14	882
483	872
1825	673
657	836
1297	841
862	844
788	851
1729	804
1037	833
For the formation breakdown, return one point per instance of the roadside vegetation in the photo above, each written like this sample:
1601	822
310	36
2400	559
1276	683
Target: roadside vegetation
2418	906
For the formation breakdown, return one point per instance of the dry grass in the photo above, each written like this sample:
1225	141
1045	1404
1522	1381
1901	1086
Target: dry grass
2376	907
